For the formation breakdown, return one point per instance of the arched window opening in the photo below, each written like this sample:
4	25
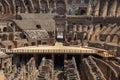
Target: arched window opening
5	29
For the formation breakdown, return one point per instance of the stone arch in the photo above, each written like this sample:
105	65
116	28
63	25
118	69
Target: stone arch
85	35
61	8
0	37
44	6
115	39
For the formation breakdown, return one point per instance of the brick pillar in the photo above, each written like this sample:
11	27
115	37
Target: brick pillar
36	59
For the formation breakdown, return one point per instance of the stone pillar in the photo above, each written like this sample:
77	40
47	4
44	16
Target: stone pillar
2	8
23	7
7	5
66	4
53	59
32	6
7	36
118	10
65	56
36	59
40	6
48	6
112	8
55	5
89	9
97	7
105	8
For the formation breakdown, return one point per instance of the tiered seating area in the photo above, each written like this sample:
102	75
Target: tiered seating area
70	69
36	34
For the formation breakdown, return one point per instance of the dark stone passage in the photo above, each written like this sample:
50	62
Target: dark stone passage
58	61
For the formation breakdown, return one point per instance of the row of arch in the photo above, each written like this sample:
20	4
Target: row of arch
96	33
97	8
32	6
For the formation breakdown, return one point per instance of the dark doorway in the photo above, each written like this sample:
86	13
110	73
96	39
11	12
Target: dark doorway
82	12
59	61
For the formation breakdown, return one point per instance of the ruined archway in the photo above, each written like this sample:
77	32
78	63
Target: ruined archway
61	9
44	6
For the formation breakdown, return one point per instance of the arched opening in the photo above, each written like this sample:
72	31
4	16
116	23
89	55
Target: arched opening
101	26
5	29
1	9
69	39
39	42
44	6
9	47
61	9
51	5
33	43
25	45
82	12
58	61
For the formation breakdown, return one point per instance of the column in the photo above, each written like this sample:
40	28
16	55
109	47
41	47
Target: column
53	59
97	7
36	59
40	6
55	5
66	4
105	8
89	9
112	8
48	6
32	6
65	56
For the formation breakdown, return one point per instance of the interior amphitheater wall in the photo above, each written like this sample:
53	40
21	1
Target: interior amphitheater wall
105	68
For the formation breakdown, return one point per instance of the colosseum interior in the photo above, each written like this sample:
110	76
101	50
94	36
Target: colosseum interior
59	40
